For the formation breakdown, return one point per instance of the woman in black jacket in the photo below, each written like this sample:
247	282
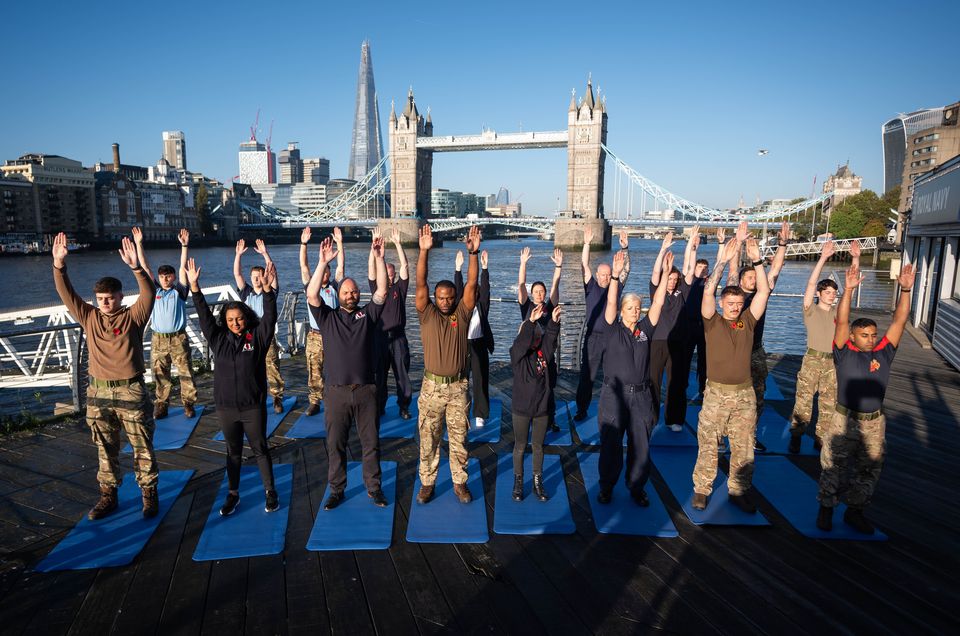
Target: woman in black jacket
532	394
239	343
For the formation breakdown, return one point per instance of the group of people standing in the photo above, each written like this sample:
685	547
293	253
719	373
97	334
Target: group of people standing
361	344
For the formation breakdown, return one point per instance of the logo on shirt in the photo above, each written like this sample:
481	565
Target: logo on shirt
639	336
874	365
396	294
247	346
737	324
359	315
541	362
453	321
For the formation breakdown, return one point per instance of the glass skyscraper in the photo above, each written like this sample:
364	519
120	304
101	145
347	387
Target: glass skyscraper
895	134
366	150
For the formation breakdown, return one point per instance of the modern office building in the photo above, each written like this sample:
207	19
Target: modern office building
293	198
894	136
291	166
446	204
175	148
62	192
257	163
503	197
316	170
366	149
928	148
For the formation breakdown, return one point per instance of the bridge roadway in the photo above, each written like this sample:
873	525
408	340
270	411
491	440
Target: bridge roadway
527	222
492	140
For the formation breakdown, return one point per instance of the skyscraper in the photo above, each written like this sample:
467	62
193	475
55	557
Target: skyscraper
366	150
895	134
175	149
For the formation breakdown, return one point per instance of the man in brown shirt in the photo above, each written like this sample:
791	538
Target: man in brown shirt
444	324
729	403
116	396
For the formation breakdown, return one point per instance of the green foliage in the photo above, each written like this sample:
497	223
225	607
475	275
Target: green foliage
864	214
203	208
847	221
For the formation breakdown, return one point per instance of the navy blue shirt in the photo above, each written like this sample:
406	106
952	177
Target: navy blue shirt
527	306
596	300
694	301
626	358
673	321
862	376
348	340
531	369
758	331
393	320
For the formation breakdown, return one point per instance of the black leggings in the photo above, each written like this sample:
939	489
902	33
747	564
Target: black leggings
253	422
521	429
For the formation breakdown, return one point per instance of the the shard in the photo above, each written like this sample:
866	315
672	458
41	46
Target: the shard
366	150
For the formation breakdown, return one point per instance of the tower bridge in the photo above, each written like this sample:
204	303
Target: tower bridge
405	189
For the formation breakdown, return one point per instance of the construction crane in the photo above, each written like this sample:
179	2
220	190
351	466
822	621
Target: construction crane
253	128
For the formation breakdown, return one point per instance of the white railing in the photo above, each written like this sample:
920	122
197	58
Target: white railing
492	140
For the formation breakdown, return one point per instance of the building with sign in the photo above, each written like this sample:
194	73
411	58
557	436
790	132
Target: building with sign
933	246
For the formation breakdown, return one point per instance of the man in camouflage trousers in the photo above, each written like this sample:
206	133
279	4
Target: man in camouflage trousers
729	403
444	326
853	440
116	397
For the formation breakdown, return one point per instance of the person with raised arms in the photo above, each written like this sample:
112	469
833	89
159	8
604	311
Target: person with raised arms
393	348
696	271
479	338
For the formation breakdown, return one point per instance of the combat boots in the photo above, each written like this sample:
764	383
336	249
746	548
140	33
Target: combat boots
151	502
518	487
743	502
188	410
106	504
538	491
159	410
854	518
277	404
825	518
463	493
699	501
795	438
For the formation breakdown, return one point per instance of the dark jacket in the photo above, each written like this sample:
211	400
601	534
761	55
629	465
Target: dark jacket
483	303
240	373
531	375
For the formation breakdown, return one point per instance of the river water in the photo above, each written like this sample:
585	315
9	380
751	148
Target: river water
27	282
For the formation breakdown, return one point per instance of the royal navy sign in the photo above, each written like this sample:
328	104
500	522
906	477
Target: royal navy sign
936	200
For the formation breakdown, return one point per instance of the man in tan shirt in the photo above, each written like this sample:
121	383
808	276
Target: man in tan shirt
116	396
444	325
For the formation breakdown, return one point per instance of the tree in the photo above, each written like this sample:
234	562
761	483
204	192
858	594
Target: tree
847	221
203	211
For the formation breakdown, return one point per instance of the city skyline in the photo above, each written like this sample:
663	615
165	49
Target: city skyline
690	99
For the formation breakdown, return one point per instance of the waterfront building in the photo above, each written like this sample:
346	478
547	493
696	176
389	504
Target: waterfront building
446	204
932	244
316	170
62	192
366	148
843	183
127	170
292	198
18	213
894	136
502	198
291	166
257	163
175	149
510	210
472	204
927	148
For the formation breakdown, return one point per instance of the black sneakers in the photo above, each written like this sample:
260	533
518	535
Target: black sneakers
230	504
273	502
334	500
379	499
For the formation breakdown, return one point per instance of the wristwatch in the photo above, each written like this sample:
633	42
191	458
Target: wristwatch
756	263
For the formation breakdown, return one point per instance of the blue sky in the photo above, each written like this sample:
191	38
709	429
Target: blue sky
693	89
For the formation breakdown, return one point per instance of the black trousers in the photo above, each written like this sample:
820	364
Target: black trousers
625	410
669	355
344	404
480	375
253	423
699	342
393	354
521	429
590	360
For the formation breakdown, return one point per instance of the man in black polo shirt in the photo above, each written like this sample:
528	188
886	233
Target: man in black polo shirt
695	273
350	390
853	439
393	350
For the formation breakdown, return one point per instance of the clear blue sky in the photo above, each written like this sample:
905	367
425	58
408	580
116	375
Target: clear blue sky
694	89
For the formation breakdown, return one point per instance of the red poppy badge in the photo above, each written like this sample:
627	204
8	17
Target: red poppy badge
116	331
874	365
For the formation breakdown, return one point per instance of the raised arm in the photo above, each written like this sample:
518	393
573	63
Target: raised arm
841	333
404	271
759	303
522	276
658	262
208	324
551	334
690	255
422	297
71	299
338	239
184	238
261	249
557	271
327	254
268	324
585	255
783	236
141	309
902	312
473	249
811	290
305	272
380	295
855	252
483	291
708	306
660	296
237	267
613	297
138	242
743	233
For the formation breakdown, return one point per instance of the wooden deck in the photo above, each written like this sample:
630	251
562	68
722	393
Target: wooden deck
709	579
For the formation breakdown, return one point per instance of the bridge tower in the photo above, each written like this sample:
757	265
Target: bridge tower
587	133
411	170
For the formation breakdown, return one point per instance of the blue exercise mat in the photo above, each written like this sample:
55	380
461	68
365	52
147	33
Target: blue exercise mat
357	524
622	515
774	431
794	495
173	431
490	431
562	437
663	436
250	531
532	516
395	427
676	467
273	419
588	430
772	390
444	519
119	538
309	426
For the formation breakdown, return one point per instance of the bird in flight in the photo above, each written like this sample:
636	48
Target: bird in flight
762	151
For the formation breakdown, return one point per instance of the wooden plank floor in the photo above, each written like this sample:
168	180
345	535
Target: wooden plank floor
708	580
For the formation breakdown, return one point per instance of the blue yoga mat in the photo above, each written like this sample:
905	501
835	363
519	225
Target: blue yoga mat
392	425
561	438
532	516
490	431
119	538
357	524
794	495
273	419
693	386
676	467
772	390
444	519
621	515
309	426
250	531
663	436
589	429
774	431
173	431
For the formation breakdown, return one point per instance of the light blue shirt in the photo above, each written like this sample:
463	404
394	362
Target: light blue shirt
328	295
169	309
252	299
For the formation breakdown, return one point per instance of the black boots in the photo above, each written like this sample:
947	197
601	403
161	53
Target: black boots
538	487
106	504
854	518
825	518
699	501
151	502
795	438
517	487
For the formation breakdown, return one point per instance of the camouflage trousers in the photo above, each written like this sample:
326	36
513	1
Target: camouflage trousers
274	379
817	375
851	459
436	403
727	411
758	375
127	407
315	366
175	349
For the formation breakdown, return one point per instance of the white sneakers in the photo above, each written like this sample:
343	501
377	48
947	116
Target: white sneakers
480	422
